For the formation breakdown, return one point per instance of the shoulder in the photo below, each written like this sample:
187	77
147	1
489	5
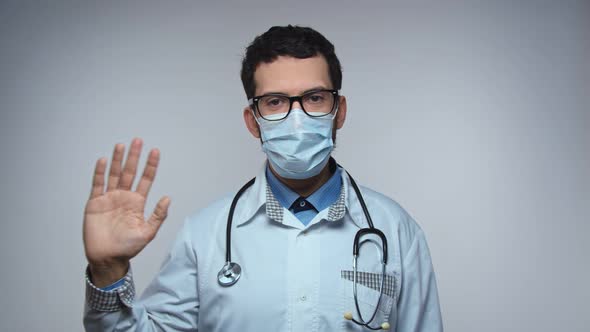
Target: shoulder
204	222
389	214
210	213
204	225
215	214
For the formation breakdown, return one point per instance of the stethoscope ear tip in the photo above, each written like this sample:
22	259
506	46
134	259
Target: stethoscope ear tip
385	326
348	315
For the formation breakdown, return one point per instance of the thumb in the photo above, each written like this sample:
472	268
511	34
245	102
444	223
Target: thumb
159	215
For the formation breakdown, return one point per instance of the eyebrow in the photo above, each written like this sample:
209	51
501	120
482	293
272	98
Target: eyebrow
319	87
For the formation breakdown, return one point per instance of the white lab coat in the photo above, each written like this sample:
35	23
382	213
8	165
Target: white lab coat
292	278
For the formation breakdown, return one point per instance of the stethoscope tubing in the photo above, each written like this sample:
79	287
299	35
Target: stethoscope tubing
230	218
229	265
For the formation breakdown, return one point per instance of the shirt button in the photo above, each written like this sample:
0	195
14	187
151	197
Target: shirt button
302	203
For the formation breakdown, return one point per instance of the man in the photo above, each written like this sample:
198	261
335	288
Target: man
291	231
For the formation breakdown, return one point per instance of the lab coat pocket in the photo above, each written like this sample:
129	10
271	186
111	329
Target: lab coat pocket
368	286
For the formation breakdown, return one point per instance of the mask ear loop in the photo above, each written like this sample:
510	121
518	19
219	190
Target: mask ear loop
335	112
257	124
255	117
337	105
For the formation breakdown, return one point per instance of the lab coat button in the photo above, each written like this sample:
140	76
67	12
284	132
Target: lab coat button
303	298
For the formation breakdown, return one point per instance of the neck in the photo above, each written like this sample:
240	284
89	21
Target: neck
306	187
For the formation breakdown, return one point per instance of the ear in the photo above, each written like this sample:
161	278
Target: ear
251	123
341	115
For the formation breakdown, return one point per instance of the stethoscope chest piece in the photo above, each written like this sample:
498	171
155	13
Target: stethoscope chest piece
229	274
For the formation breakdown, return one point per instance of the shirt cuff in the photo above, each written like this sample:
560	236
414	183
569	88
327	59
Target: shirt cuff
110	300
114	285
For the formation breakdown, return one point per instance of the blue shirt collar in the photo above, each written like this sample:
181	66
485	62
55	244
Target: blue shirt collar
321	199
258	195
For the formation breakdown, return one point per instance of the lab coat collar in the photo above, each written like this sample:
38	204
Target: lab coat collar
352	203
256	196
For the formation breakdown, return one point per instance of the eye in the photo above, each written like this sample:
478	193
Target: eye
272	101
315	98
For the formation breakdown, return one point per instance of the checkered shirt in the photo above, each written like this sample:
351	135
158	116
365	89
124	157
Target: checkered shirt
112	300
274	210
372	280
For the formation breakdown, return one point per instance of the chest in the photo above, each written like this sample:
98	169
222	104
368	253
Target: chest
298	281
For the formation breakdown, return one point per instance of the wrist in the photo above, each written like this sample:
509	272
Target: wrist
105	275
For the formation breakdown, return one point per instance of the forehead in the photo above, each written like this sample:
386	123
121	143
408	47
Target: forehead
292	76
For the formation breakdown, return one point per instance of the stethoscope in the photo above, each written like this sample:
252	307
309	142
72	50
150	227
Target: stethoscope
231	271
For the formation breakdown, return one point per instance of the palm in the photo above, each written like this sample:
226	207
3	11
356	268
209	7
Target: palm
115	229
115	225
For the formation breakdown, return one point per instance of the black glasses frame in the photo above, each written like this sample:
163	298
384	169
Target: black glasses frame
254	102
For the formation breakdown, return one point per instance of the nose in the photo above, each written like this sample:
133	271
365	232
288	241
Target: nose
296	104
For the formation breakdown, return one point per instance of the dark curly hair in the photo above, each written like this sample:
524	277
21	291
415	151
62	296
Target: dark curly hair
295	41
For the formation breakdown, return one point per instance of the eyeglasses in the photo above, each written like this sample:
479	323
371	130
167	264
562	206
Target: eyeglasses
276	106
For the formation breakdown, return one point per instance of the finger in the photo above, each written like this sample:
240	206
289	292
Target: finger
149	173
130	165
159	215
115	172
98	178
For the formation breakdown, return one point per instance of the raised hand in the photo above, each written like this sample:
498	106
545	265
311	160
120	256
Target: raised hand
115	229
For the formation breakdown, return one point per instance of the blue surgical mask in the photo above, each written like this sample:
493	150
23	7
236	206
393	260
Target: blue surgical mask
299	146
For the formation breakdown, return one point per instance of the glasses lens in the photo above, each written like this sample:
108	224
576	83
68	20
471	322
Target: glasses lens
318	103
273	107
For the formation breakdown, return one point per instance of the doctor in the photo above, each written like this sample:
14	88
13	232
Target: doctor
289	235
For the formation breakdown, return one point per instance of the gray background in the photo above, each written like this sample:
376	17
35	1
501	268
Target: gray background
472	115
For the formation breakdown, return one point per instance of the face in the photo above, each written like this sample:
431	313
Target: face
293	77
